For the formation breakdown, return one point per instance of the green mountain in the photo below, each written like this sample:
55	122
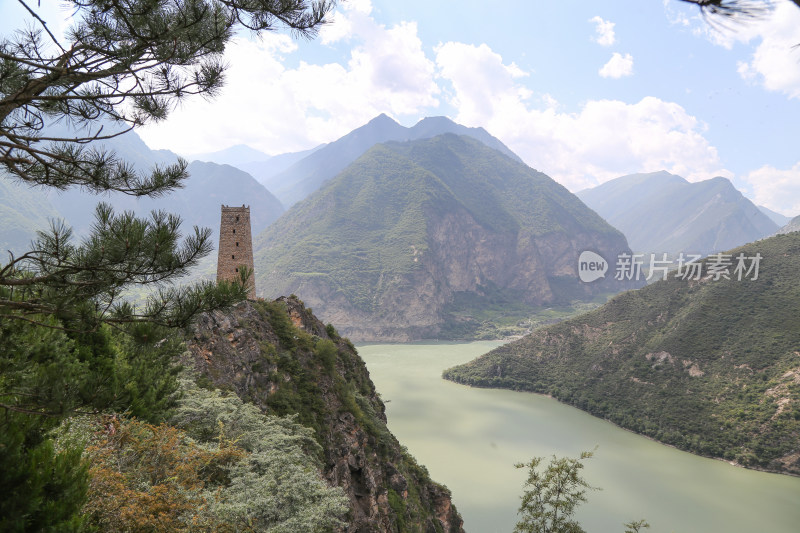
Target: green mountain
308	174
664	213
412	231
709	366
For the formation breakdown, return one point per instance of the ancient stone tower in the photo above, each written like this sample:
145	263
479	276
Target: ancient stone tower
235	246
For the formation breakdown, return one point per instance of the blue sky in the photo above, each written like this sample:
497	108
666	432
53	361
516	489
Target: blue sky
584	91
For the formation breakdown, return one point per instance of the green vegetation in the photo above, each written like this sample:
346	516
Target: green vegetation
221	465
708	366
552	495
497	314
48	374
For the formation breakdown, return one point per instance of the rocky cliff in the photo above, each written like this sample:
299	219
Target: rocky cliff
282	358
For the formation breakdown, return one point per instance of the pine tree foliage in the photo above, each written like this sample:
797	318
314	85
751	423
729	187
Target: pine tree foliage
124	62
83	284
721	12
41	488
119	66
52	373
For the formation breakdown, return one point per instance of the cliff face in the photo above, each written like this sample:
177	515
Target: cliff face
464	257
283	359
385	248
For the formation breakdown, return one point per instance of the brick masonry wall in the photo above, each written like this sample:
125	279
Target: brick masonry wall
235	245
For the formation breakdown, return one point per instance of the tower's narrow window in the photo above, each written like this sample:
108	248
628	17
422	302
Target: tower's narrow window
234	231
237	244
237	270
233	257
237	218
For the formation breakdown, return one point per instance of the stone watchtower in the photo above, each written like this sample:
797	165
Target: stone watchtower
235	246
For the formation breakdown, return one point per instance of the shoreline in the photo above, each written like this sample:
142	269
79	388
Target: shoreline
648	437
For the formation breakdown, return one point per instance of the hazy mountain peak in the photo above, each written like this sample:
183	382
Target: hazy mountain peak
382	118
662	212
307	175
793	225
779	218
440	119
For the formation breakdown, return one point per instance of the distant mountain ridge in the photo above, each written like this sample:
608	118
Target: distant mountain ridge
778	218
384	248
663	213
307	175
793	225
265	171
208	186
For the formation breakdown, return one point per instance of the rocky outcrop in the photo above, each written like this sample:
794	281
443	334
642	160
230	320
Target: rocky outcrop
282	358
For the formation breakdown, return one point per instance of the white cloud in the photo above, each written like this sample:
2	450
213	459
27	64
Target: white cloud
618	66
775	62
278	109
777	189
604	31
603	140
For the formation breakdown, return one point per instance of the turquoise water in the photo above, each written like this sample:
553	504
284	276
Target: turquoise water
469	439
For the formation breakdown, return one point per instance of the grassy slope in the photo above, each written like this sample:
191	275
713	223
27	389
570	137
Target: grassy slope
742	335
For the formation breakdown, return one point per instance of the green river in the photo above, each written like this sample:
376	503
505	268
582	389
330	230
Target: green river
469	439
